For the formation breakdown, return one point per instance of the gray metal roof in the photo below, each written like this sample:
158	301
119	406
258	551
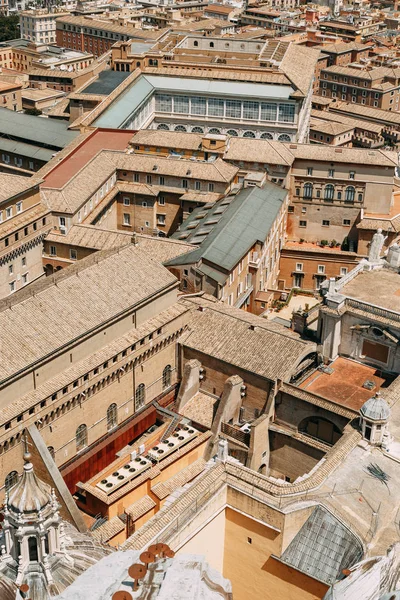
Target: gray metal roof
227	230
323	547
28	150
41	131
106	82
123	107
376	409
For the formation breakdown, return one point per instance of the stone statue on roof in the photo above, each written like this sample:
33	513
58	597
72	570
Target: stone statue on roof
378	239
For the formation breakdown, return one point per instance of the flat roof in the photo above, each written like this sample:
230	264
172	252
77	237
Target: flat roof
378	287
345	385
107	82
80	156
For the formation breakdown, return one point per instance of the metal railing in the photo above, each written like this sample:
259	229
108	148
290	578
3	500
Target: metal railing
234	432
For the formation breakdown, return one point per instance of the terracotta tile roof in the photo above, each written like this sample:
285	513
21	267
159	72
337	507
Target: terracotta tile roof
89	236
140	508
218	171
77	299
108	530
200	408
104	25
13	185
255	347
165	488
86	365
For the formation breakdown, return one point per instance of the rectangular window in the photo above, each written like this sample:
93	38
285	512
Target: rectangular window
352	174
343	271
161	201
198	106
302	223
346	222
185	183
197	186
127	219
210	187
62	221
181	105
24	278
136	177
251	110
216	107
291	209
161	219
9	212
286	113
309	170
12	287
162	180
331	172
73	254
321	269
268	111
164	103
126	201
233	109
148	178
325	223
53	251
299	267
19	207
23	261
11	269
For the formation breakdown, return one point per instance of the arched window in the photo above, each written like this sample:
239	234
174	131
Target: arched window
112	416
33	549
249	134
308	190
166	377
350	193
339	195
163	127
195	43
81	437
329	192
211	44
180	128
197	130
215	131
140	395
284	137
52	452
11	480
232	132
360	197
266	136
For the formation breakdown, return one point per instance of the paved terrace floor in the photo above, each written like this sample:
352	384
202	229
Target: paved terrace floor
102	139
344	385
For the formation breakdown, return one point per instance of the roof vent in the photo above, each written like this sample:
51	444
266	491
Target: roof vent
155	168
188	172
294	146
338	150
